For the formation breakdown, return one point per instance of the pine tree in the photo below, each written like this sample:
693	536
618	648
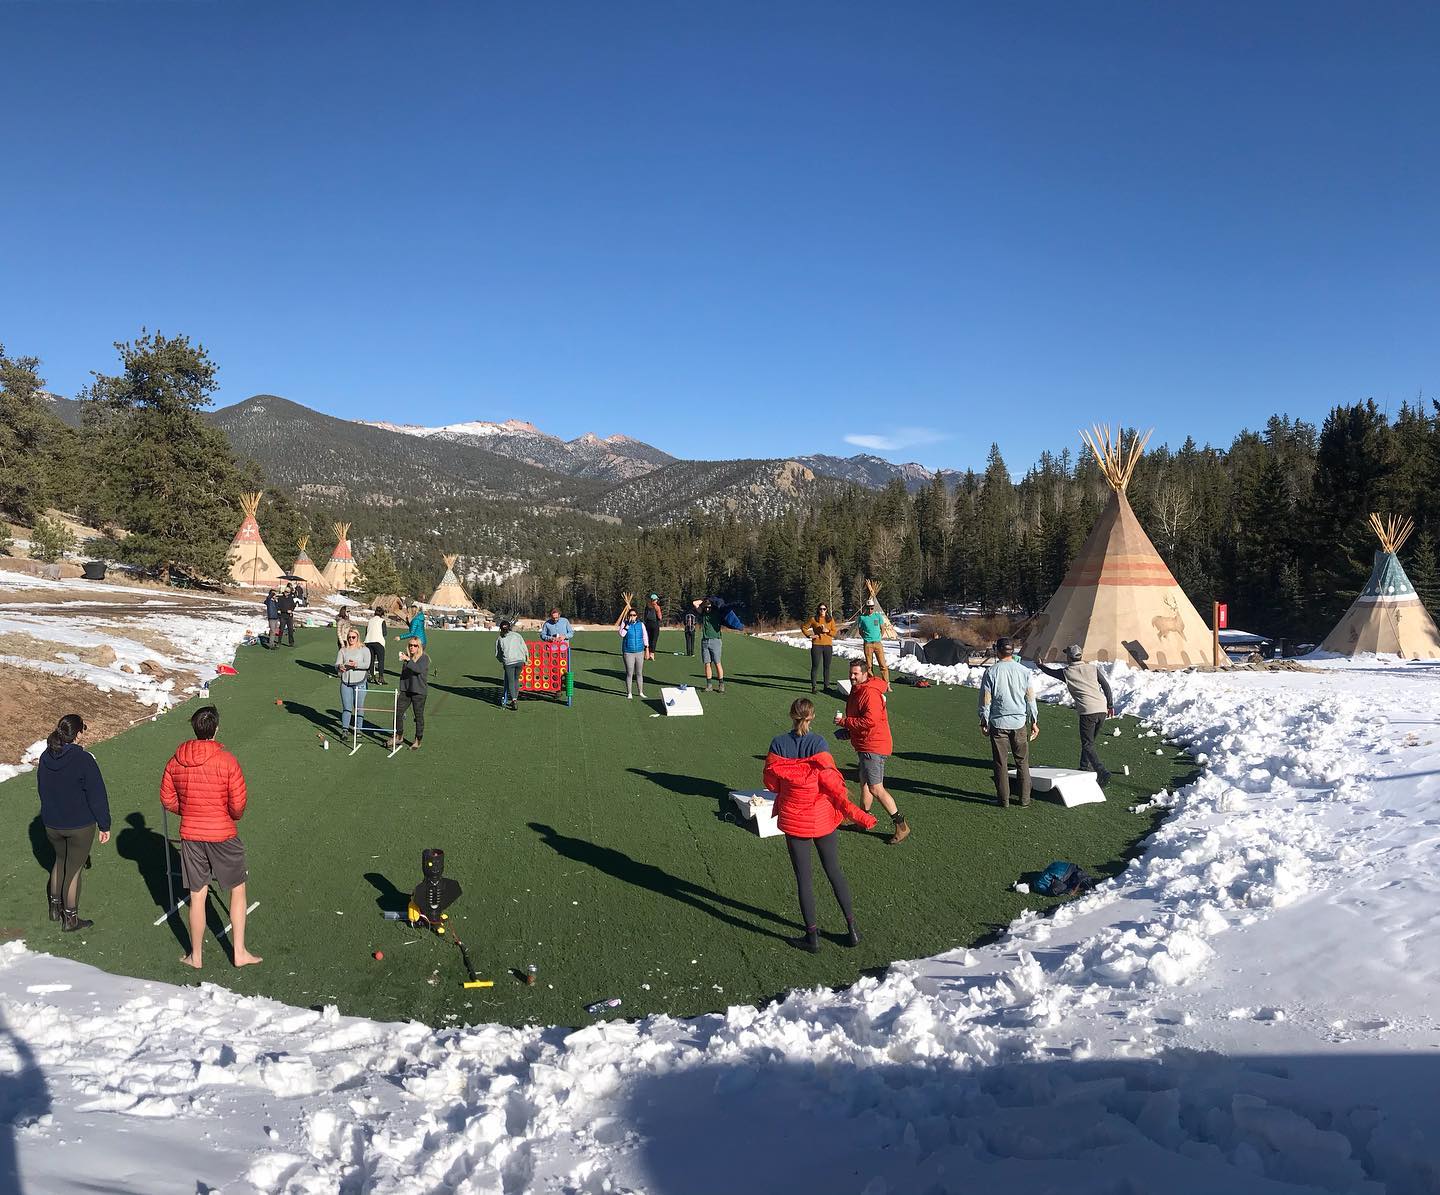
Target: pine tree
378	573
1424	573
35	446
165	473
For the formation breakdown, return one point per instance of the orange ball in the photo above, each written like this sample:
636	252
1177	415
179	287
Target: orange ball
379	954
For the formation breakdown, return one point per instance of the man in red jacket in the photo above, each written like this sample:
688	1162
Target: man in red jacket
204	785
868	723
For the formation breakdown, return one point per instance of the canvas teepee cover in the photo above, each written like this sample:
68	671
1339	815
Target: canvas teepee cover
1119	601
340	573
250	560
450	593
305	569
1388	616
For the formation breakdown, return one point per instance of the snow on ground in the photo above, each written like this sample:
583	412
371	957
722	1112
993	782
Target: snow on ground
1247	1009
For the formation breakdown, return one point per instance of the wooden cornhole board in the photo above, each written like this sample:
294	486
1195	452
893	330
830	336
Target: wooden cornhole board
681	703
1074	786
761	813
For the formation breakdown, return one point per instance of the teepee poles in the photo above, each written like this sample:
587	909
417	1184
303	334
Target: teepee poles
1393	531
1116	459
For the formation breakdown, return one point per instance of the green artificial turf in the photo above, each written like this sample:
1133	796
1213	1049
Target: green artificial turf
591	841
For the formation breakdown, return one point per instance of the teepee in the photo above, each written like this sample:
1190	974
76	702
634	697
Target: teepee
305	569
450	593
1388	616
1119	601
250	560
340	573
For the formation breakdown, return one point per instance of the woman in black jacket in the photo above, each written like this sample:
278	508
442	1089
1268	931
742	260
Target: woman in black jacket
73	805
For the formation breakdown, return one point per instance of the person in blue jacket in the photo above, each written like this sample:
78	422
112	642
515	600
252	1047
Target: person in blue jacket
634	642
556	628
73	807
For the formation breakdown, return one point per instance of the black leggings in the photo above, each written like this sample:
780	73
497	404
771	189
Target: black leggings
829	848
820	653
377	662
652	632
72	848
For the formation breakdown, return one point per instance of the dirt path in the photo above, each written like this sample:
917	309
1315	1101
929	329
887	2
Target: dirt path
32	702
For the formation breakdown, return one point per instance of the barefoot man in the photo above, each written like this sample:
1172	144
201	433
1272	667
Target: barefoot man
204	785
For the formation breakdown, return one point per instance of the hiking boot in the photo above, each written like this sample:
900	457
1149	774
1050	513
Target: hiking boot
901	833
722	686
54	909
852	935
809	942
70	921
415	746
1025	804
708	686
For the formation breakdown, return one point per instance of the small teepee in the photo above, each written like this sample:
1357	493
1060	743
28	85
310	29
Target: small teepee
340	573
450	594
305	569
1388	617
250	560
1119	601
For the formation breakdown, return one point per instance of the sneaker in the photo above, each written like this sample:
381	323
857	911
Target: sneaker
708	686
902	832
1103	779
722	686
415	746
852	935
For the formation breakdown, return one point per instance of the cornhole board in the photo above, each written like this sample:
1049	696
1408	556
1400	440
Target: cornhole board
844	687
681	703
1075	786
762	814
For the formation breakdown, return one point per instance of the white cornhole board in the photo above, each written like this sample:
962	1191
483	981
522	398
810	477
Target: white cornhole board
681	703
763	814
1075	786
844	687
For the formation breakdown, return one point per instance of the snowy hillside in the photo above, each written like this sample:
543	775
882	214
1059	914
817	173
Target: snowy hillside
1249	1008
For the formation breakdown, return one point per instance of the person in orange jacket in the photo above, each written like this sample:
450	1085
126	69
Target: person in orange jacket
203	783
867	722
820	630
810	806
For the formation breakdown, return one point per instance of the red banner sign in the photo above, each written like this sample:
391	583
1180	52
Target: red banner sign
1222	616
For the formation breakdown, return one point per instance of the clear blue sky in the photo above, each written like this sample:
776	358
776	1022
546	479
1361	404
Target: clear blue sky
737	229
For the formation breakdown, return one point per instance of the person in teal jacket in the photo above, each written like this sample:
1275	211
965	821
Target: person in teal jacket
512	653
417	626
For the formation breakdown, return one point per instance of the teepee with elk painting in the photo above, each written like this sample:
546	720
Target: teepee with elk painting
1388	617
341	572
1119	600
250	560
450	594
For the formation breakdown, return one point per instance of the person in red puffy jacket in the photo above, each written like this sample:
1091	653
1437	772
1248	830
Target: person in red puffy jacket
810	805
867	723
203	783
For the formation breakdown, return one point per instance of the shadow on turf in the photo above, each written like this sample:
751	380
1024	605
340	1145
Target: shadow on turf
390	899
690	786
655	879
146	848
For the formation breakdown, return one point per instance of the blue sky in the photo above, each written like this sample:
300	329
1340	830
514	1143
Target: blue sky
737	229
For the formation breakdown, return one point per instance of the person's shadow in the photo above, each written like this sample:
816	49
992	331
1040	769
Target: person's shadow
153	857
655	879
24	1098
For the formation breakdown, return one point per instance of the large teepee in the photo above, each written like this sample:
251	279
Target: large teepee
305	569
450	593
250	560
1388	617
340	573
1119	601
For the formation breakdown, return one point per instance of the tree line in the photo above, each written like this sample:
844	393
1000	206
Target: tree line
1274	524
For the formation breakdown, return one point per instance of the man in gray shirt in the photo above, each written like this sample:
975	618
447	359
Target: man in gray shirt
1093	702
1007	703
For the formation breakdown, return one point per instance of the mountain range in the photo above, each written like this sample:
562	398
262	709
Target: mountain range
340	462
